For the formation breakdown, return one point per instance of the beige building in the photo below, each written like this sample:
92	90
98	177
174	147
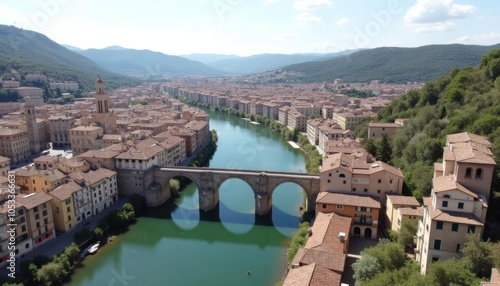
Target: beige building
459	198
329	133
8	107
103	115
102	158
349	120
85	138
400	208
14	144
348	174
297	120
4	166
60	126
377	130
32	180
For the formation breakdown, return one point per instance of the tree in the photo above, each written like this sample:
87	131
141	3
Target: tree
408	230
369	146
384	149
98	233
72	252
51	274
365	268
477	256
408	275
450	272
390	255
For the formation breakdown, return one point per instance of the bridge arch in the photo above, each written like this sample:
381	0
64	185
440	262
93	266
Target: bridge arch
236	205
221	179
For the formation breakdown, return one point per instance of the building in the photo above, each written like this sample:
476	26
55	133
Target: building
103	116
33	93
297	120
32	180
8	107
40	223
364	211
348	174
85	138
349	120
322	260
103	158
400	208
33	134
4	166
63	206
60	130
14	144
101	185
377	130
459	198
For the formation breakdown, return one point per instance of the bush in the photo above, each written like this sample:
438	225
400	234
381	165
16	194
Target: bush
298	240
82	235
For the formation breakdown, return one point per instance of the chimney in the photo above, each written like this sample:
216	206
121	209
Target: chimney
342	236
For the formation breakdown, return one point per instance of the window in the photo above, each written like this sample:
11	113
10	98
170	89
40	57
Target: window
329	174
69	217
435	259
479	173
437	244
344	182
365	190
458	247
379	181
37	216
57	210
445	204
378	191
35	209
460	205
341	176
468	173
454	227
328	181
390	181
353	189
471	229
340	207
439	225
68	201
44	213
323	206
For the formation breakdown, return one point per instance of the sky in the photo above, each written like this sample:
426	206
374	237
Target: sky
247	27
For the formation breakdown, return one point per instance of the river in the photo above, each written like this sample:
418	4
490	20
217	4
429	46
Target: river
176	245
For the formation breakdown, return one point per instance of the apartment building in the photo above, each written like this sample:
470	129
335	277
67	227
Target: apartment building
377	130
32	180
400	208
201	129
327	111
189	137
103	184
38	209
348	174
8	107
283	114
459	198
348	120
297	120
363	209
313	130
270	110
14	144
60	126
322	260
85	138
331	132
103	158
4	166
63	206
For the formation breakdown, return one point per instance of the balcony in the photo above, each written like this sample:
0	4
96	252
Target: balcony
365	221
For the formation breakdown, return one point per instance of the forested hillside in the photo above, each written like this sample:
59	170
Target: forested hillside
467	99
395	65
31	52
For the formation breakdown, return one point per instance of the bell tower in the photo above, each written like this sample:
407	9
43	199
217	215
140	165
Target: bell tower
102	115
33	135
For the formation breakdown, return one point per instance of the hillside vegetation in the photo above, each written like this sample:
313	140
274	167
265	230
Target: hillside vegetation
32	52
395	65
466	100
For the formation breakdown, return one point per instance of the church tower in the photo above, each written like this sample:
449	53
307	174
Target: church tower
102	114
33	135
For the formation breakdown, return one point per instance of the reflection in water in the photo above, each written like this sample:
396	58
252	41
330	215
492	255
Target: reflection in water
186	215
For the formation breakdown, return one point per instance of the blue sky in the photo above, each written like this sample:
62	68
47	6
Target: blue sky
246	27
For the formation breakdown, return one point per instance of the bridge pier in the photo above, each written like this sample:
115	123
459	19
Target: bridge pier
208	199
263	203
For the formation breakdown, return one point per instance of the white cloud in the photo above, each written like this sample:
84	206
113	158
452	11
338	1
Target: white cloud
434	27
310	4
306	17
429	11
271	1
483	39
342	21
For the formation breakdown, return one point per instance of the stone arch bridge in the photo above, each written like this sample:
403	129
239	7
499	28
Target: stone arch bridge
209	180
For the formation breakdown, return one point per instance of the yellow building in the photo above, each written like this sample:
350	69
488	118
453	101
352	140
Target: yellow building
399	208
32	180
63	207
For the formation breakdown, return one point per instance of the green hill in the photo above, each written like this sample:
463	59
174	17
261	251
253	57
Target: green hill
145	63
266	62
395	65
466	100
32	52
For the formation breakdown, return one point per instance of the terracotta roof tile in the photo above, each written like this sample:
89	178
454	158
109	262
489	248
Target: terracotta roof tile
347	199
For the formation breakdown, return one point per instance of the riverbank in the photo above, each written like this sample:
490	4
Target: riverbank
313	157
